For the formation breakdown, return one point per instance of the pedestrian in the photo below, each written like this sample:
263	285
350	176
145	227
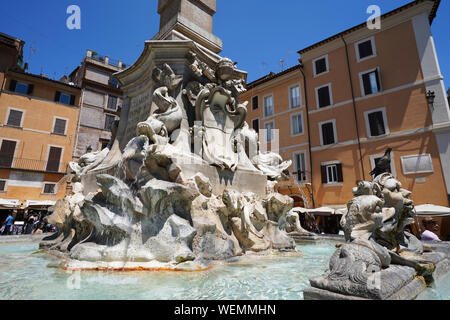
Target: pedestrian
8	225
431	227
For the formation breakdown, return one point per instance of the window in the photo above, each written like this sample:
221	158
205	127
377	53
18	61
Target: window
112	103
113	82
14	118
370	82
255	103
365	49
332	173
328	132
49	188
323	95
294	95
2	185
64	98
376	122
59	126
255	125
21	87
269	127
7	152
300	166
268	106
421	163
109	119
320	65
297	124
54	157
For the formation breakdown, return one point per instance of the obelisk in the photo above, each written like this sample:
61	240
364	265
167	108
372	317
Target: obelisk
188	20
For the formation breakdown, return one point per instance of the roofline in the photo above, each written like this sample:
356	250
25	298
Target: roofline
362	25
43	78
12	37
271	76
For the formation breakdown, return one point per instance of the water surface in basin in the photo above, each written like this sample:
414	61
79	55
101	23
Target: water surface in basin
25	274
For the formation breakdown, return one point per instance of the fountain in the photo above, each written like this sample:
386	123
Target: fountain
380	260
183	181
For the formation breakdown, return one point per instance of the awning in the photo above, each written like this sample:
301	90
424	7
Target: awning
40	203
9	203
323	211
431	210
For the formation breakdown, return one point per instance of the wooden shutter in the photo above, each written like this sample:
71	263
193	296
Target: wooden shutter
15	118
57	96
323	170
30	89
72	99
12	85
54	156
255	101
324	97
340	177
60	126
7	153
377	76
366	83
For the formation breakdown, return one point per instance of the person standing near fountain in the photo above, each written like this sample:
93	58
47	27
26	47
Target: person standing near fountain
430	226
8	225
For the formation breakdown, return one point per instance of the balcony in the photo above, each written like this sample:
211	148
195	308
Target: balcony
50	166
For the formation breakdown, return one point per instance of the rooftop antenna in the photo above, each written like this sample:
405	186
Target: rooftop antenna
282	64
32	50
263	66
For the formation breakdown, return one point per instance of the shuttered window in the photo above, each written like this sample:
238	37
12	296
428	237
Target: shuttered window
269	127
112	103
332	173
54	158
49	188
297	124
321	66
328	133
365	49
295	97
255	125
255	103
324	96
109	119
376	123
268	106
371	82
15	118
64	98
7	153
20	87
300	166
60	126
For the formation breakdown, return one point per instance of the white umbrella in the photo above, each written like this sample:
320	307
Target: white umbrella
431	210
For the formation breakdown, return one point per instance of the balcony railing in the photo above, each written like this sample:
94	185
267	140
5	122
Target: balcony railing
53	166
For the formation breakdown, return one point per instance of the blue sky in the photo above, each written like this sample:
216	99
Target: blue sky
255	33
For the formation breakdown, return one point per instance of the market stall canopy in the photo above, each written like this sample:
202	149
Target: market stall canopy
40	203
431	210
9	203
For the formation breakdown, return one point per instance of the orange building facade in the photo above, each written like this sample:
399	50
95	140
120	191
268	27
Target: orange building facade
352	96
38	125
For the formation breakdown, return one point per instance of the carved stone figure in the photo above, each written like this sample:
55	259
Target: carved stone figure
377	244
171	200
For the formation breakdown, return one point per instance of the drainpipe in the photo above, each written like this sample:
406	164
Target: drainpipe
354	108
309	131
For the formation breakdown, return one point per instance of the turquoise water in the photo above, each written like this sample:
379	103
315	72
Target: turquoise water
25	274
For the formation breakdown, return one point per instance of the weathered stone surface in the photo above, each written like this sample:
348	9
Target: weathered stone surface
277	205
